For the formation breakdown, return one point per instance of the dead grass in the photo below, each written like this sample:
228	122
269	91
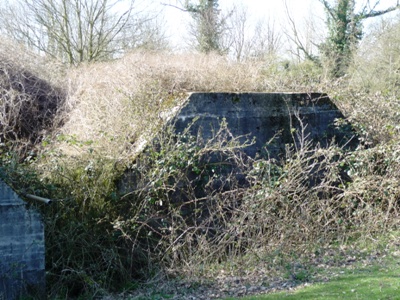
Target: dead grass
117	104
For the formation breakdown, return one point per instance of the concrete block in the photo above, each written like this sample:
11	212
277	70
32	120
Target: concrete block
263	116
22	252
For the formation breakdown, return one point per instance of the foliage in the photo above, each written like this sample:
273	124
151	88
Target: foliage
344	33
83	253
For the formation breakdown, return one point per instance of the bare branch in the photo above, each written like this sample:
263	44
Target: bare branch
375	13
296	38
174	6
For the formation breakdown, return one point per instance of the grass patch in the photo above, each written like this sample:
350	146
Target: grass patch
376	281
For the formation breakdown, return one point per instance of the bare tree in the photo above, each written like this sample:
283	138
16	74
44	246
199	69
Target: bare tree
248	40
236	39
305	44
267	40
378	57
73	30
149	34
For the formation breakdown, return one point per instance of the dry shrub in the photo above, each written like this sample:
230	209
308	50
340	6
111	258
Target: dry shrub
198	207
120	104
375	174
183	193
197	72
31	100
369	93
98	239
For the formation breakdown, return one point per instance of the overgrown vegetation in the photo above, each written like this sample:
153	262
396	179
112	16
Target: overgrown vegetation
30	100
188	215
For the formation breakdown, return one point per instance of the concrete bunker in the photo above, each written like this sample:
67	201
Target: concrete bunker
265	116
22	249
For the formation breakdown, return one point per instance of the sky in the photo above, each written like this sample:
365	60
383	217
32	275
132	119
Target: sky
256	10
302	11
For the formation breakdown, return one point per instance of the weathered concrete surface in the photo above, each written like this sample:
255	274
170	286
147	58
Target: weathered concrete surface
22	252
264	115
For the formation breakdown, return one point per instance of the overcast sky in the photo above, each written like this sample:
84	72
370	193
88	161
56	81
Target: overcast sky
257	9
302	12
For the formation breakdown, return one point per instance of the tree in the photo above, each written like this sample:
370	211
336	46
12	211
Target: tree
267	40
236	38
207	28
148	35
73	30
378	58
345	31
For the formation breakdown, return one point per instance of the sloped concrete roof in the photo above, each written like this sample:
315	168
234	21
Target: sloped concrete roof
283	117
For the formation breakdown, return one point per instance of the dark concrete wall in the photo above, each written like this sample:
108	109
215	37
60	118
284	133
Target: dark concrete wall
22	252
263	115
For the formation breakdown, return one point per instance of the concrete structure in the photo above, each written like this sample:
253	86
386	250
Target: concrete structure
22	252
264	116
